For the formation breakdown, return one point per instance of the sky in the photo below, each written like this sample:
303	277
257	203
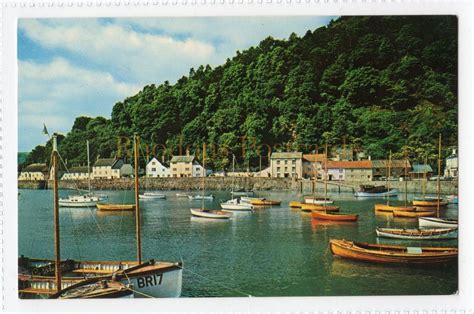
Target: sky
73	67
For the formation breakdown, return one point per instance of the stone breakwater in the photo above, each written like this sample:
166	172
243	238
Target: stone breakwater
226	184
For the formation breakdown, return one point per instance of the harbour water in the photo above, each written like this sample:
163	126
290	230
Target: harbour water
274	251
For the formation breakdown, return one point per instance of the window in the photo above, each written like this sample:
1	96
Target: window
293	161
340	170
278	162
278	169
174	169
153	163
186	169
153	169
286	161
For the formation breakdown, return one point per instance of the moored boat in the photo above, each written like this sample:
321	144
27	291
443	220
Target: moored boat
116	207
296	204
389	208
152	195
95	289
375	191
201	197
413	214
311	207
235	205
418	234
260	201
318	200
334	216
241	193
433	222
392	254
78	201
209	213
429	202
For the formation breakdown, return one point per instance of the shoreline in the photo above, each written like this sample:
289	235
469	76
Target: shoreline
239	183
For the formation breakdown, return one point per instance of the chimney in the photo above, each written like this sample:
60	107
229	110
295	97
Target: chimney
454	151
187	152
370	158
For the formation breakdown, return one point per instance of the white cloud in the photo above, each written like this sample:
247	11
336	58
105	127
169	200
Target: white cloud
56	92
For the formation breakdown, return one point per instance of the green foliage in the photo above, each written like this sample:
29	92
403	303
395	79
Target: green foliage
382	83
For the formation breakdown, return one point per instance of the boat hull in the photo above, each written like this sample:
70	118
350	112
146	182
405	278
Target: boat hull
237	207
389	209
391	254
413	214
200	198
429	203
418	234
152	196
157	280
432	222
296	204
210	214
332	216
67	203
318	201
115	207
314	207
391	193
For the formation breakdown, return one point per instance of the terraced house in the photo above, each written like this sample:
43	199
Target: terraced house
287	165
357	170
34	172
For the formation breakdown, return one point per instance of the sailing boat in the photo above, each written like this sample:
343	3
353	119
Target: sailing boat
387	207
91	289
204	212
148	279
152	194
83	200
235	204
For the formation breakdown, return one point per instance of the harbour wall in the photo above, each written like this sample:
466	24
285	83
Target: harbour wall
226	184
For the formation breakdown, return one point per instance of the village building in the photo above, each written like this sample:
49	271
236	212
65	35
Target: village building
357	170
156	169
264	173
420	171
198	170
313	165
287	165
34	172
181	166
76	173
397	168
111	168
451	170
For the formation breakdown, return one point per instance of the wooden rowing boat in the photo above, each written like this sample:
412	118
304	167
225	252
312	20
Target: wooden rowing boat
311	207
318	200
260	201
418	234
392	254
429	202
389	208
296	204
116	207
209	213
413	214
433	222
333	216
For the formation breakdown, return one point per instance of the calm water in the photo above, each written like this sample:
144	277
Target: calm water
274	251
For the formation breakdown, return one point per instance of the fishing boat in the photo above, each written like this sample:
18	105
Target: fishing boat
116	207
235	205
413	214
311	207
201	197
152	195
392	254
296	204
433	222
209	213
334	216
418	234
42	277
389	208
375	191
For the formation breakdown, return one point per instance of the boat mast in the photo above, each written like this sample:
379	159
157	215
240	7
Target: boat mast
204	173
405	178
88	167
388	176
233	175
326	173
57	246
136	143
439	174
424	177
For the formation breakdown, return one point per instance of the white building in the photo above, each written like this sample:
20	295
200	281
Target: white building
198	170
155	169
76	173
451	170
111	168
34	172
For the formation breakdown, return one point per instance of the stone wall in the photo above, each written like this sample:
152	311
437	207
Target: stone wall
226	183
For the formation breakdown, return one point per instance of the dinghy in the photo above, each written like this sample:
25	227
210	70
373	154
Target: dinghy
418	234
413	214
209	213
235	205
152	195
201	197
333	216
115	207
392	254
311	207
389	208
433	222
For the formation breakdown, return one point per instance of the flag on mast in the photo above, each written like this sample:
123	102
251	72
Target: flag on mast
45	130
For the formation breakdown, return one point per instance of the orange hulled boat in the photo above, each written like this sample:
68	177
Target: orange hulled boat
413	214
314	207
334	216
392	254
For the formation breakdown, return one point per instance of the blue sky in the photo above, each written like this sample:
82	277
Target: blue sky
73	67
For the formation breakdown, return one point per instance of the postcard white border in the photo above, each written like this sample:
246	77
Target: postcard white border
11	11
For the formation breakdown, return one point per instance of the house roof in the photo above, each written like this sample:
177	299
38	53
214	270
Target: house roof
314	157
118	164
393	164
36	168
347	164
287	155
421	169
82	169
104	162
182	159
154	159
